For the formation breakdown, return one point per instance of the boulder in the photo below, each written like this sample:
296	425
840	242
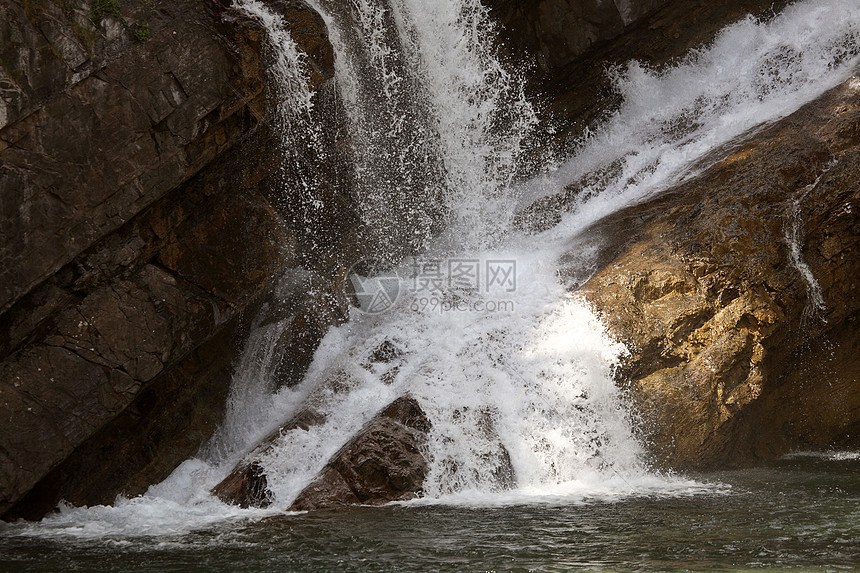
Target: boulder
384	462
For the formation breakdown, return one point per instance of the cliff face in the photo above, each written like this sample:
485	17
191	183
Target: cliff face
556	32
144	222
735	358
148	217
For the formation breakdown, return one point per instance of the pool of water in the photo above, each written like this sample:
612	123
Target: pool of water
801	513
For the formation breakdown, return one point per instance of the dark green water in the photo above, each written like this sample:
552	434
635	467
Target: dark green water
801	514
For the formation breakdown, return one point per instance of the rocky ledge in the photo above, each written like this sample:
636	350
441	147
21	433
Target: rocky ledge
737	293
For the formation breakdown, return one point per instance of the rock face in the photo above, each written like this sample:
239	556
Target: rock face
384	462
555	32
733	360
143	225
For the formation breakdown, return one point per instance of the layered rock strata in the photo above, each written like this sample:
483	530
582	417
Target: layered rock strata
145	221
737	295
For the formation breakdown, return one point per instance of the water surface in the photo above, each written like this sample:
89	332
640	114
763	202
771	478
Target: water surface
801	513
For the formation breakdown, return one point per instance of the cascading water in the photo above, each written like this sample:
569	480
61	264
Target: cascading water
794	237
399	180
507	364
753	73
436	121
481	114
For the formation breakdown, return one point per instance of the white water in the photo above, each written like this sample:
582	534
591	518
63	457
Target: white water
437	122
293	99
398	177
794	235
536	381
753	73
835	456
291	115
481	113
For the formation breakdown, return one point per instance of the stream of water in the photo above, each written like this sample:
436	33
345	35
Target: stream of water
505	361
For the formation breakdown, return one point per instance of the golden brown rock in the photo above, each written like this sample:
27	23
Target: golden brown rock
732	361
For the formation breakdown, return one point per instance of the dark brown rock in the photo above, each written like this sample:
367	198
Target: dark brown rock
138	333
384	462
555	32
98	147
165	423
731	363
247	484
140	235
248	487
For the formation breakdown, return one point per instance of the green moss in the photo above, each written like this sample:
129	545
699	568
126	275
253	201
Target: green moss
102	8
141	32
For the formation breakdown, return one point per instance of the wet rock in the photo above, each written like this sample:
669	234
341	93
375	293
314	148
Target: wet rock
246	488
557	31
384	361
493	470
140	235
731	361
385	353
384	462
247	485
575	42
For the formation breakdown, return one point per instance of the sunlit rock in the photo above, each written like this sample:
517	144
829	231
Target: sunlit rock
733	360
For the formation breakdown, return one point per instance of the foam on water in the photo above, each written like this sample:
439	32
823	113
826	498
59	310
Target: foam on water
522	399
594	488
834	456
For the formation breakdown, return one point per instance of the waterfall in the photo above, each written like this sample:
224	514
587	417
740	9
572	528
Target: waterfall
511	368
519	374
436	121
755	72
286	69
249	414
794	237
398	178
